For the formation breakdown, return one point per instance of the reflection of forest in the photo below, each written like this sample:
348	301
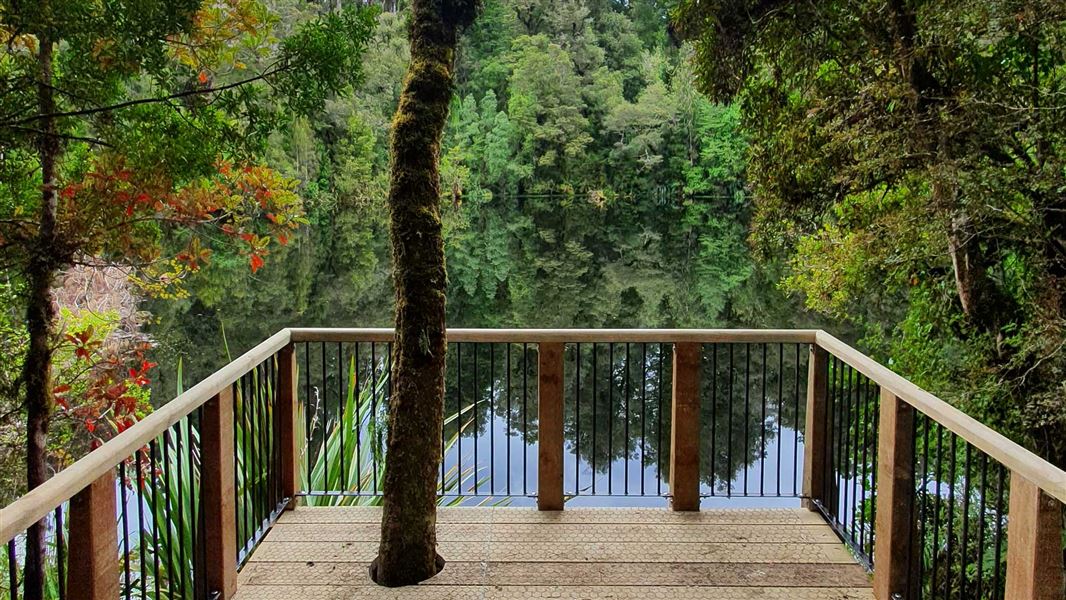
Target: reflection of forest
616	410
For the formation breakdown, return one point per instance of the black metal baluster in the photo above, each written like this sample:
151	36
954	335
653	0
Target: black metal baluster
12	569
659	429
714	414
625	423
141	535
854	471
124	520
747	409
950	514
729	437
342	374
997	589
595	401
376	440
796	426
153	460
936	505
183	552
965	521
577	419
873	477
981	527
507	383
643	411
310	414
780	408
492	418
358	418
923	517
168	516
61	558
477	432
525	421
610	418
459	405
866	527
762	428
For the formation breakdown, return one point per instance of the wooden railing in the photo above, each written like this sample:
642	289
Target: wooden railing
876	462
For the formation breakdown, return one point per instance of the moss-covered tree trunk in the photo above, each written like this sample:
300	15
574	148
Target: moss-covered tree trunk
407	554
40	319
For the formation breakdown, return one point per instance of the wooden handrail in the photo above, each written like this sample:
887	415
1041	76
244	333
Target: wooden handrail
39	502
1043	474
535	336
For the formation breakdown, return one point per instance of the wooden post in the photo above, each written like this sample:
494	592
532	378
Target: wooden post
895	525
550	411
1034	543
816	434
288	420
685	428
93	571
219	489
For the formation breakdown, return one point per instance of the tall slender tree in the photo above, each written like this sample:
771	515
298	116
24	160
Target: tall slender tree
407	554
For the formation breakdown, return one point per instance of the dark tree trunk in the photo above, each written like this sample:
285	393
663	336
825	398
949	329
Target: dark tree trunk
407	554
40	317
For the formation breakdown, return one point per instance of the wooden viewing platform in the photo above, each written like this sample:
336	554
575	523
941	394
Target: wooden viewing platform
241	487
320	553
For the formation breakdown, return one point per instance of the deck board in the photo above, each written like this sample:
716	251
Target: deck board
510	553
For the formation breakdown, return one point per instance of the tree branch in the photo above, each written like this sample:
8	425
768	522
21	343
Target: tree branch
140	101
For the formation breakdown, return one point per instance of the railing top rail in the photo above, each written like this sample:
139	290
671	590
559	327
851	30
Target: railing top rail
1011	455
533	336
39	502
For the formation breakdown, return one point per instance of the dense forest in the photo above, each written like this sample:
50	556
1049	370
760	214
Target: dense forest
581	169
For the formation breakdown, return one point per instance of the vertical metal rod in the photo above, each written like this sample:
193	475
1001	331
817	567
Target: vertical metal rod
492	418
525	421
762	428
12	569
964	548
577	419
981	526
459	405
168	515
342	375
867	426
358	418
659	428
747	408
610	418
152	462
997	584
477	433
125	529
310	414
714	414
180	458
854	471
141	535
625	435
796	426
507	374
950	516
643	411
780	407
873	486
595	401
923	517
375	442
936	504
729	437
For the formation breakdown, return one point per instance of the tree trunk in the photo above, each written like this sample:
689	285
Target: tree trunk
40	317
407	554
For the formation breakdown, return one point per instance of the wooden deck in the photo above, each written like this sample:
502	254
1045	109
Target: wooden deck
622	554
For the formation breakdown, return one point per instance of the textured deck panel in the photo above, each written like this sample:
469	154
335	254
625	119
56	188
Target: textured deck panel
622	554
